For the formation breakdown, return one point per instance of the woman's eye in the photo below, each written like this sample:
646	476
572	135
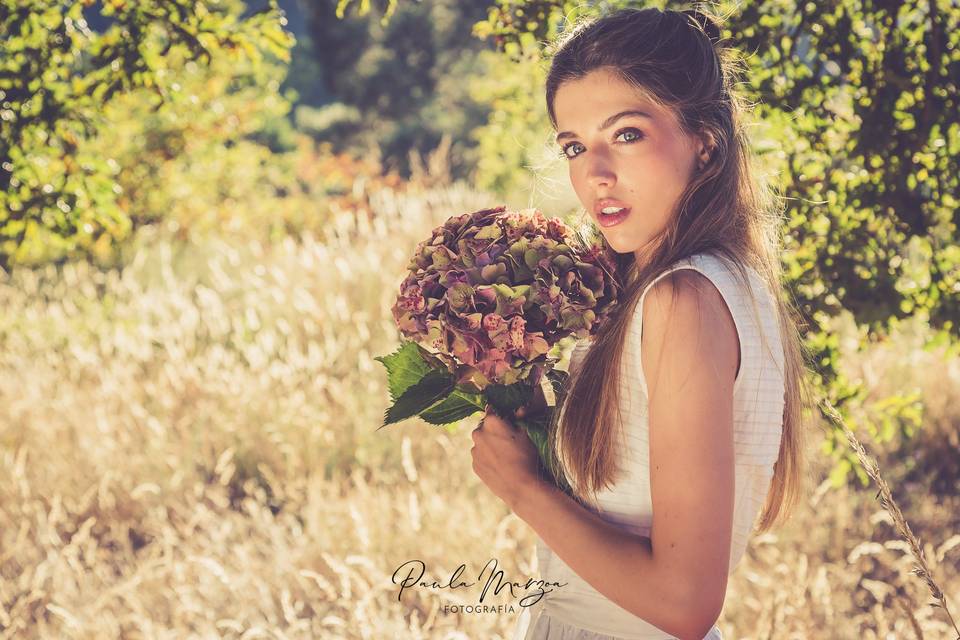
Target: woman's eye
563	152
636	133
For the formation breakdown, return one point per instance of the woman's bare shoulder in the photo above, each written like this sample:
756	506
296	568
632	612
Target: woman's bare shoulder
686	316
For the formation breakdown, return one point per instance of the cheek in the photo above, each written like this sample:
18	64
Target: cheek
579	181
676	163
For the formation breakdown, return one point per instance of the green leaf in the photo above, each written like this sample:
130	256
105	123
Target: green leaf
434	386
538	432
405	368
539	437
457	406
508	398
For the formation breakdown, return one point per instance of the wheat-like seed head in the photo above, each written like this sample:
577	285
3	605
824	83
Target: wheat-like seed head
921	569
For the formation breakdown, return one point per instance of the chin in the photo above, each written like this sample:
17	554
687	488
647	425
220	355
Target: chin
618	243
619	247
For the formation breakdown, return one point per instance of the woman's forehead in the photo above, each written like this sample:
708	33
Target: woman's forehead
603	85
591	100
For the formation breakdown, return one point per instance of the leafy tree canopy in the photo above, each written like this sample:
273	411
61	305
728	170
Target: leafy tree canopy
57	75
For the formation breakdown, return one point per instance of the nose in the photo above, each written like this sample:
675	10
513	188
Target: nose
600	172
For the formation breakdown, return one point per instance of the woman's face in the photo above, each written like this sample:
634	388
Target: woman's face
639	162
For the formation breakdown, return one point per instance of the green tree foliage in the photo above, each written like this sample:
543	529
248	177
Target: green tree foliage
204	160
59	195
399	84
867	102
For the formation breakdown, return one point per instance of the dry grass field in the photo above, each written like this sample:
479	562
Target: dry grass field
189	450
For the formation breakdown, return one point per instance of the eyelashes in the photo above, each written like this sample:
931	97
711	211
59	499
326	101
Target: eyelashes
639	136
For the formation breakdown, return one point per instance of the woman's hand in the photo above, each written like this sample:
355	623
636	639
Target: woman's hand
504	457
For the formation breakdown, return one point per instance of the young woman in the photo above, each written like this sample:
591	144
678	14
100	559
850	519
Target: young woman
681	426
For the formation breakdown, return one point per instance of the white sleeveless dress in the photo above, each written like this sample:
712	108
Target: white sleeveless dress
577	611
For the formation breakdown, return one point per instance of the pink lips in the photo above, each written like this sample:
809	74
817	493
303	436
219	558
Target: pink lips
610	220
605	220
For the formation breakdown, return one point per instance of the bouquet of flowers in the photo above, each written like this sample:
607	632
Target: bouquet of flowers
492	301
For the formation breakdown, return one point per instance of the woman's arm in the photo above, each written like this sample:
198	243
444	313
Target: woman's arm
676	579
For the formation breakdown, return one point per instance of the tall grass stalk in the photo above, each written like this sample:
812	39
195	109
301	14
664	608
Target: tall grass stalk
869	464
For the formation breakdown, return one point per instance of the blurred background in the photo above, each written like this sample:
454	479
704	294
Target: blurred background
206	209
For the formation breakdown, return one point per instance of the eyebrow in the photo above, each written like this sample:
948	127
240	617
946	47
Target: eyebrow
609	121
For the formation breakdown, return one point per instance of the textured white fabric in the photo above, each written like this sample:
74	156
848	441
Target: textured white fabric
547	627
577	610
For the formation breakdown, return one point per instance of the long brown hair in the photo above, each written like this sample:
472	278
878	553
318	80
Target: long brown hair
675	59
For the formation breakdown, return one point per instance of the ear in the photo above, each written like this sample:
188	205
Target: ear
705	146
